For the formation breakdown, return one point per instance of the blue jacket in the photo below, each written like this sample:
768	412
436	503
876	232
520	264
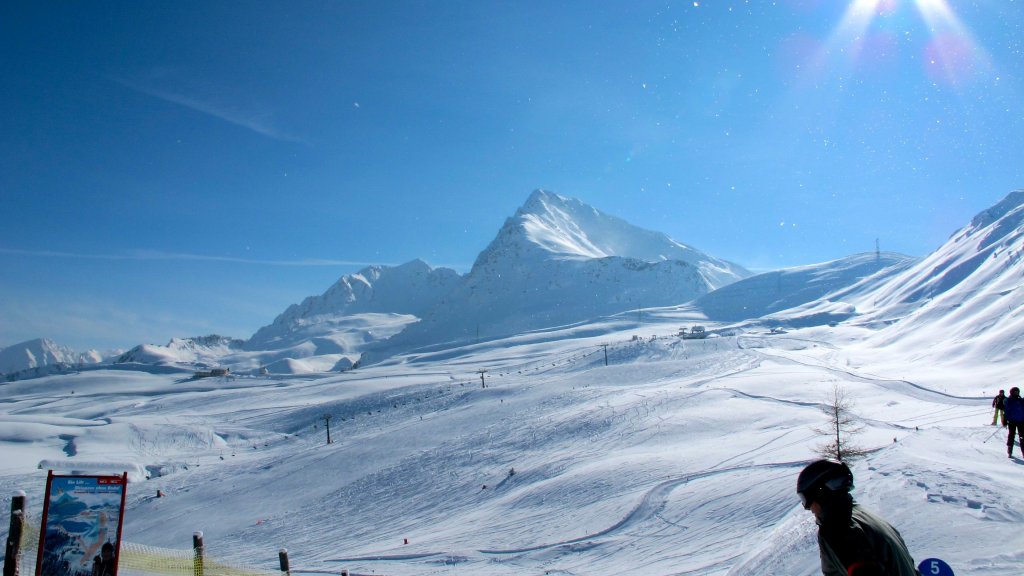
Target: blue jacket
1014	409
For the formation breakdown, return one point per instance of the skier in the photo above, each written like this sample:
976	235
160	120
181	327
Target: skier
1013	409
851	540
997	403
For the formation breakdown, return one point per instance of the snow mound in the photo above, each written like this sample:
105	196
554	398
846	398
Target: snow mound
136	472
290	366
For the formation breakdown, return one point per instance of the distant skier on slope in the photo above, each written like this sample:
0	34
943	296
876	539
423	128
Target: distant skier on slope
851	540
998	404
1013	408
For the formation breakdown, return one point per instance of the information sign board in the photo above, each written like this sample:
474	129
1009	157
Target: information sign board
81	527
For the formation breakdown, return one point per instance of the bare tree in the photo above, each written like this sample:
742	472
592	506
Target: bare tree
843	424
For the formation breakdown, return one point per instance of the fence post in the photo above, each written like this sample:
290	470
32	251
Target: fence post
283	556
13	551
197	548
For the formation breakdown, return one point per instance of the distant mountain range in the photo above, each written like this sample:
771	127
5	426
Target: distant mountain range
386	298
199	350
558	262
34	356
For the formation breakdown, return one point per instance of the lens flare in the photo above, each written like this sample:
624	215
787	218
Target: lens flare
950	55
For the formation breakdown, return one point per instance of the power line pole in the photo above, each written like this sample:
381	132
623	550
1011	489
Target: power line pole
327	421
605	354
482	383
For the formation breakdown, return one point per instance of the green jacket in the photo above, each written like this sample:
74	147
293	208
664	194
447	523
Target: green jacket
868	544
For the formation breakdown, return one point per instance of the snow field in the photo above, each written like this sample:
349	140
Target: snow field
678	458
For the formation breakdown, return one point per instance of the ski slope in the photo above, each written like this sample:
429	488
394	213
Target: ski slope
677	457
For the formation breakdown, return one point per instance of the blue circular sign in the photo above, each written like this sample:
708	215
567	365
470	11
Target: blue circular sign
934	567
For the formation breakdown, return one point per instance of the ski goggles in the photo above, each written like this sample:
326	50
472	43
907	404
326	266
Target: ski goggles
805	499
837	484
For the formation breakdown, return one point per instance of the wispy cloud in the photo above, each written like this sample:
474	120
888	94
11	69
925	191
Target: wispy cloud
257	122
153	255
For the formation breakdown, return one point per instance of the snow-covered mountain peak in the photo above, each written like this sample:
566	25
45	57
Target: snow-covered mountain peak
559	261
415	267
409	289
196	350
553	222
41	352
1000	224
549	226
1012	203
541	201
567	227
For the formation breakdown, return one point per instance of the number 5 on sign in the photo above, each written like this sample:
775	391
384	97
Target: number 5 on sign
934	567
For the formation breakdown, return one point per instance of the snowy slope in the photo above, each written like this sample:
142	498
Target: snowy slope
982	252
960	307
789	288
677	457
519	295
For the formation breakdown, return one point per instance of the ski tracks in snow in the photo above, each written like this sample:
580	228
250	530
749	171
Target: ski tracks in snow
904	387
651	504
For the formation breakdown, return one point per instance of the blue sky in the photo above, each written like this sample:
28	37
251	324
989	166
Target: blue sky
184	168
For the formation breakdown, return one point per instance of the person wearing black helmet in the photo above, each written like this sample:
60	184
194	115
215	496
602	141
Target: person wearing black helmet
1013	409
851	540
